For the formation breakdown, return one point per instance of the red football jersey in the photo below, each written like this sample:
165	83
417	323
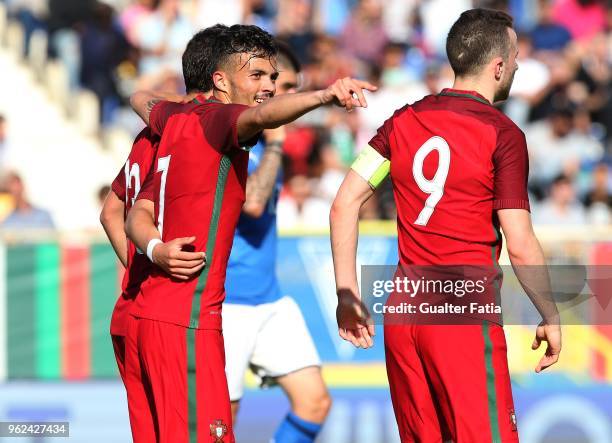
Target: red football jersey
455	159
127	185
198	187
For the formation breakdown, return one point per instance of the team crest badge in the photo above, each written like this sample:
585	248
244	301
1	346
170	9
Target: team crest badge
218	430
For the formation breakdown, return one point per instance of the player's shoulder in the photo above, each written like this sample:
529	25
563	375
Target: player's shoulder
146	142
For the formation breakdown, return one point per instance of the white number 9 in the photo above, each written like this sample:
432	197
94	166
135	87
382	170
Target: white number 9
435	186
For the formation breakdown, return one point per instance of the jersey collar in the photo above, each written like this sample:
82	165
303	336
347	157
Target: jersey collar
449	92
201	99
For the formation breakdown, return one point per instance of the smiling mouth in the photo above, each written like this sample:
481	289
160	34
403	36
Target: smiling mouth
260	100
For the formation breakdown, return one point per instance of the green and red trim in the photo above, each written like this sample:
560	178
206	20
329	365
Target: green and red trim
491	392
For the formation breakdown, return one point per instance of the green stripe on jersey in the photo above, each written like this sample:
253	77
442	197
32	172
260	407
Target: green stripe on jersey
48	361
491	392
224	168
192	403
21	319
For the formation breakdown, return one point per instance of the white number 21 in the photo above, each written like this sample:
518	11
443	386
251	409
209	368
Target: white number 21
435	186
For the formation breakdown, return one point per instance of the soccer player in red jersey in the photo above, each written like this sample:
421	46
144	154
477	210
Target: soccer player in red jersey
198	189
124	190
459	170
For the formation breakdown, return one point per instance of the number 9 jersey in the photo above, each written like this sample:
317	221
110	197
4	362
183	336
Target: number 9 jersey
454	160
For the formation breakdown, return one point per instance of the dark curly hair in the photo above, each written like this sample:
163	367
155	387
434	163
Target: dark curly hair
212	48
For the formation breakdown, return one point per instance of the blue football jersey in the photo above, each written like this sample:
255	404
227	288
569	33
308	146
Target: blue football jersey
251	270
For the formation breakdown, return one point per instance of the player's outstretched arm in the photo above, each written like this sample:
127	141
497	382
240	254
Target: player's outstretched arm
169	256
351	314
112	219
283	109
529	265
260	183
142	102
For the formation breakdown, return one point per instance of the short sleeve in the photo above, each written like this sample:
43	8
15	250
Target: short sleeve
380	141
147	190
220	125
118	185
511	170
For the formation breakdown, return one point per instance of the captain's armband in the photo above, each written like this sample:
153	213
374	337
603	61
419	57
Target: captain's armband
371	166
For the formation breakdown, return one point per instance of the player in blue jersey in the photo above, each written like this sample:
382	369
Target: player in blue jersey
264	330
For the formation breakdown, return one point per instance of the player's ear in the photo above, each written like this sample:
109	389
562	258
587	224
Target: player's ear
498	66
220	81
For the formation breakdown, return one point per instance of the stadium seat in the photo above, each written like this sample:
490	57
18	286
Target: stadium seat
86	112
15	39
38	53
56	79
2	23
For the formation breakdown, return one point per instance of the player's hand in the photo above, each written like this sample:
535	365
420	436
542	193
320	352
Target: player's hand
347	93
354	322
550	333
175	259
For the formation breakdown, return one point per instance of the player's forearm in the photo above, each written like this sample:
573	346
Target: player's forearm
529	265
261	183
142	102
344	230
140	227
276	112
114	228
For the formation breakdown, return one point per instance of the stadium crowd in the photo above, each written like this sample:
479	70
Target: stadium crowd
561	98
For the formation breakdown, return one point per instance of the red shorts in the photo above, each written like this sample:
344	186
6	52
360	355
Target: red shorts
450	383
119	348
176	385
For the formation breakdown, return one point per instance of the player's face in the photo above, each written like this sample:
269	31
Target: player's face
287	81
511	66
253	80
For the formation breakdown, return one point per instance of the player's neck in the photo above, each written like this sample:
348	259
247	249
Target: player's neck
221	96
474	84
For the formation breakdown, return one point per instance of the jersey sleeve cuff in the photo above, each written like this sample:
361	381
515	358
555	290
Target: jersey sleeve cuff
118	190
144	195
511	203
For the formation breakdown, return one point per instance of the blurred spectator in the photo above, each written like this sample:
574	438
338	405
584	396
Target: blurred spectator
102	194
25	215
326	63
132	16
437	17
583	18
294	26
598	201
548	35
66	19
163	36
560	208
556	148
103	48
32	14
209	12
398	19
365	25
298	207
531	83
